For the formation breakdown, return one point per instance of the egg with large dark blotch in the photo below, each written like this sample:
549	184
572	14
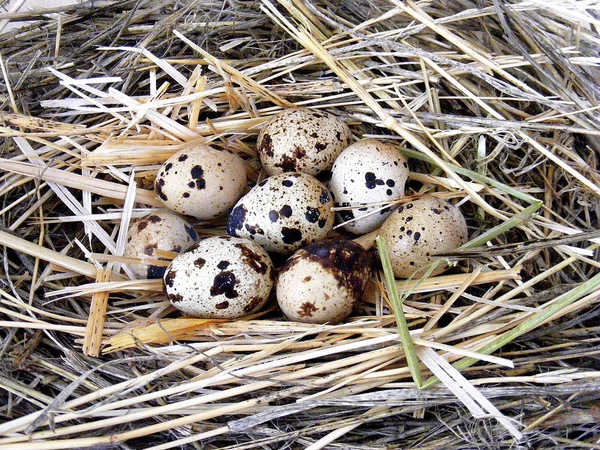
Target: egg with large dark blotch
322	282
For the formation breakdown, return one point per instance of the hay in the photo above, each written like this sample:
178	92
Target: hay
495	103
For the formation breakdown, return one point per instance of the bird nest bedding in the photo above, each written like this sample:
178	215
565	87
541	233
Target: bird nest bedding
495	105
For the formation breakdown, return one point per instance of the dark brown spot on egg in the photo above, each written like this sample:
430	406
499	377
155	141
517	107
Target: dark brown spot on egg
222	305
170	278
273	215
307	279
307	309
370	179
252	304
312	214
299	152
182	158
287	183
160	192
175	298
141	225
436	211
223	265
320	146
224	284
346	214
291	235
287	164
236	220
199	263
324	197
149	249
168	167
266	145
286	211
155	272
253	229
252	259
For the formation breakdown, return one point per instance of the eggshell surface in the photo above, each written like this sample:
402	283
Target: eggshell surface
283	213
220	277
301	140
367	172
417	230
160	230
321	282
201	181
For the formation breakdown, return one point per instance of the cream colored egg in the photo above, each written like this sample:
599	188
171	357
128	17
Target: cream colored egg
201	182
283	213
302	140
417	230
220	277
369	172
160	230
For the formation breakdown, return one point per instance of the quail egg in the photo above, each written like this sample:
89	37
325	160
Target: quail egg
283	213
367	172
321	282
301	140
417	230
220	277
201	181
160	230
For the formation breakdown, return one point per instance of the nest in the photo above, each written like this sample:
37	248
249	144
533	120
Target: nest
495	103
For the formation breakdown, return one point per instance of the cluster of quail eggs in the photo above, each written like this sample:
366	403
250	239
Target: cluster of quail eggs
289	213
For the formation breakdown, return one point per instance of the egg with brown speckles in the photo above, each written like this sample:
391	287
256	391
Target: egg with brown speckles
302	140
321	282
417	230
201	182
160	230
283	213
220	277
369	172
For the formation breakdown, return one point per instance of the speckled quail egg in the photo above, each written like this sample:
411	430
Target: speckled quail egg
367	172
283	213
162	230
417	230
301	140
321	282
220	277
201	181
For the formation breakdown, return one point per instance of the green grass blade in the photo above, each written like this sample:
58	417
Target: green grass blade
390	285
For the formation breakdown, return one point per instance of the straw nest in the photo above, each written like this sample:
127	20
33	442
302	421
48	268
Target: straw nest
495	103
